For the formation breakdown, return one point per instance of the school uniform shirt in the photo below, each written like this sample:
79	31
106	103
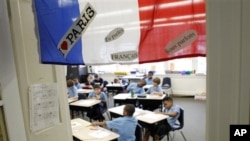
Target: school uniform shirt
135	88
124	126
78	86
154	89
172	120
102	97
72	91
149	81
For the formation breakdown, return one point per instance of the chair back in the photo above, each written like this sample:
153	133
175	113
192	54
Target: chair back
138	132
180	119
166	83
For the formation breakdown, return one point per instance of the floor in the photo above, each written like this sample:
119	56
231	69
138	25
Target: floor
194	117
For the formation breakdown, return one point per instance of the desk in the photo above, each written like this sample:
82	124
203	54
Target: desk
133	78
82	105
82	131
115	88
84	91
125	98
72	99
145	117
146	87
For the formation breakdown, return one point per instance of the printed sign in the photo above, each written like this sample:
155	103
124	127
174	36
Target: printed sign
181	41
124	56
77	29
114	34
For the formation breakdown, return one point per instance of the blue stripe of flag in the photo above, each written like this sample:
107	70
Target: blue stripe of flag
54	18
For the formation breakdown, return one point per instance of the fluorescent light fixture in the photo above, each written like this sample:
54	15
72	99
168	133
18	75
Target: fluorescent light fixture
188	16
171	4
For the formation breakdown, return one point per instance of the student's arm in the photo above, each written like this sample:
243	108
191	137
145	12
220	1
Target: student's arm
75	92
103	123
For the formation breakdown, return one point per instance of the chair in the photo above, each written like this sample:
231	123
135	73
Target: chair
167	86
138	133
178	126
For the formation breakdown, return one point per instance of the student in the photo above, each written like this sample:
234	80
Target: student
149	78
72	90
77	83
116	81
156	88
125	126
137	87
99	80
98	110
89	82
163	128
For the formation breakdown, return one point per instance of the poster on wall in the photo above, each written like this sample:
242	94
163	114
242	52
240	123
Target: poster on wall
44	108
78	32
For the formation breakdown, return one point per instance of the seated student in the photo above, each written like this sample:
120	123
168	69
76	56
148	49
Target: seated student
97	111
163	128
125	126
149	78
89	82
116	81
72	90
77	83
156	88
98	80
137	87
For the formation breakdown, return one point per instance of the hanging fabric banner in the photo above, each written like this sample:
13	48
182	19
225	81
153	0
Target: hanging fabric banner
119	31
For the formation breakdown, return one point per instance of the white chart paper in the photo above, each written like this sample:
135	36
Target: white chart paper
44	108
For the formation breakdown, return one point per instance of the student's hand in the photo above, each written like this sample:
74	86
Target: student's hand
94	124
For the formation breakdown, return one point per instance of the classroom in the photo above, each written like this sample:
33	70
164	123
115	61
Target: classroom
24	80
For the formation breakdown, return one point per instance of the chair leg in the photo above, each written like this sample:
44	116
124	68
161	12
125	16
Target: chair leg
183	136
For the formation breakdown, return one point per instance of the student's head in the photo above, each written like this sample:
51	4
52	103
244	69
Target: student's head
116	80
97	88
150	74
89	78
142	82
167	102
156	81
129	110
75	79
96	76
70	83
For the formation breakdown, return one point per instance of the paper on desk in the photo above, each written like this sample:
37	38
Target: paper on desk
99	134
149	116
75	124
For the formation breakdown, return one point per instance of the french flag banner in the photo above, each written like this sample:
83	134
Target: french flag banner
91	32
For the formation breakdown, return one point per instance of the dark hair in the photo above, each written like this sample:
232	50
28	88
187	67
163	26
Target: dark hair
130	109
167	98
151	72
96	86
96	75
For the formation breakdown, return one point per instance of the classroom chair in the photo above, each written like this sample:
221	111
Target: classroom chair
167	86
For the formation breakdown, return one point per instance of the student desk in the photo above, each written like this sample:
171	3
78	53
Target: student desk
133	78
82	105
82	130
115	88
83	93
146	87
125	98
72	99
145	118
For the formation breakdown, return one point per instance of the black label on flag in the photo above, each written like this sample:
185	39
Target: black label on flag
239	132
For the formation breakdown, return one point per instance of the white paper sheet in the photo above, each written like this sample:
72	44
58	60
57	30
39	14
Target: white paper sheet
99	134
44	108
